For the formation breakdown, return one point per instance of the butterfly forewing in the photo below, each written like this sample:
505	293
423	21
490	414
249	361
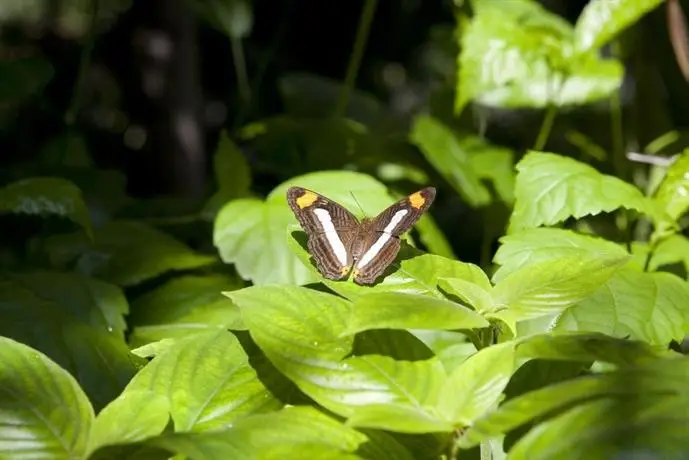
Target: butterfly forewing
330	227
383	244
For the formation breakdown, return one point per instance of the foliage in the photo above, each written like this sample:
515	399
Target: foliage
130	332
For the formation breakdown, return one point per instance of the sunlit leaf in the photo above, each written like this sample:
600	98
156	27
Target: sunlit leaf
673	193
671	250
643	306
208	382
43	411
551	188
551	286
473	294
601	20
182	306
538	244
45	196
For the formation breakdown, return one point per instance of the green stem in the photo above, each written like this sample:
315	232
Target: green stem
546	128
357	53
240	68
84	63
616	129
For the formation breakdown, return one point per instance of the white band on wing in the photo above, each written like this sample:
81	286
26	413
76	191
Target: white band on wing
331	235
384	237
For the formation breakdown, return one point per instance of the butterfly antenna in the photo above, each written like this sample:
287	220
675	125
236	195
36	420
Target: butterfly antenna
357	203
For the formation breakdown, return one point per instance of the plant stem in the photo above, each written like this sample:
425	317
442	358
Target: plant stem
546	128
84	63
616	130
240	68
357	53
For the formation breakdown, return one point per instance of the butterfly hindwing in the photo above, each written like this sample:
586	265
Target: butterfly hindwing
330	228
383	244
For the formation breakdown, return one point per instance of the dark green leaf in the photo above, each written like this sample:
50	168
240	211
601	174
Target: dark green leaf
602	20
127	253
232	174
433	238
208	382
46	196
450	157
269	436
76	321
642	306
43	411
383	446
22	78
551	188
184	305
398	310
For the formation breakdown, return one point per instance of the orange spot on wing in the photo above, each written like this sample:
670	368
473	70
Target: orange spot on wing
417	200
306	200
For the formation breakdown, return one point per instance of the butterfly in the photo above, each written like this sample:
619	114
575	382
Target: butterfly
339	243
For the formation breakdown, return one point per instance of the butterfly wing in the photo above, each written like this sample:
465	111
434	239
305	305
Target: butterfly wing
330	228
383	244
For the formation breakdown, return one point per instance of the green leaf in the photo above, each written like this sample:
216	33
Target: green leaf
397	310
433	238
300	331
494	164
23	78
551	286
643	306
44	412
132	417
398	344
251	233
477	384
76	321
382	446
671	250
208	380
232	174
471	293
585	347
393	395
540	244
265	436
551	188
46	196
182	306
451	347
450	157
127	253
673	193
232	17
413	272
602	20
521	56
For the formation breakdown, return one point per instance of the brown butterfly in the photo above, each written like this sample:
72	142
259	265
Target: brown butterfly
338	241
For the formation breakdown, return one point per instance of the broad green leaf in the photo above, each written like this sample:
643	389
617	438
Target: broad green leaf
673	193
539	244
382	446
208	382
45	196
43	411
256	436
132	417
477	384
396	310
602	20
450	157
393	395
127	253
551	286
77	322
471	293
513	58
451	347
585	347
413	272
610	429
182	306
251	233
232	174
398	344
671	250
494	164
643	306
551	188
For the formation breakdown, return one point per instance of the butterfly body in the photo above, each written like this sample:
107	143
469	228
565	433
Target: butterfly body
340	243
